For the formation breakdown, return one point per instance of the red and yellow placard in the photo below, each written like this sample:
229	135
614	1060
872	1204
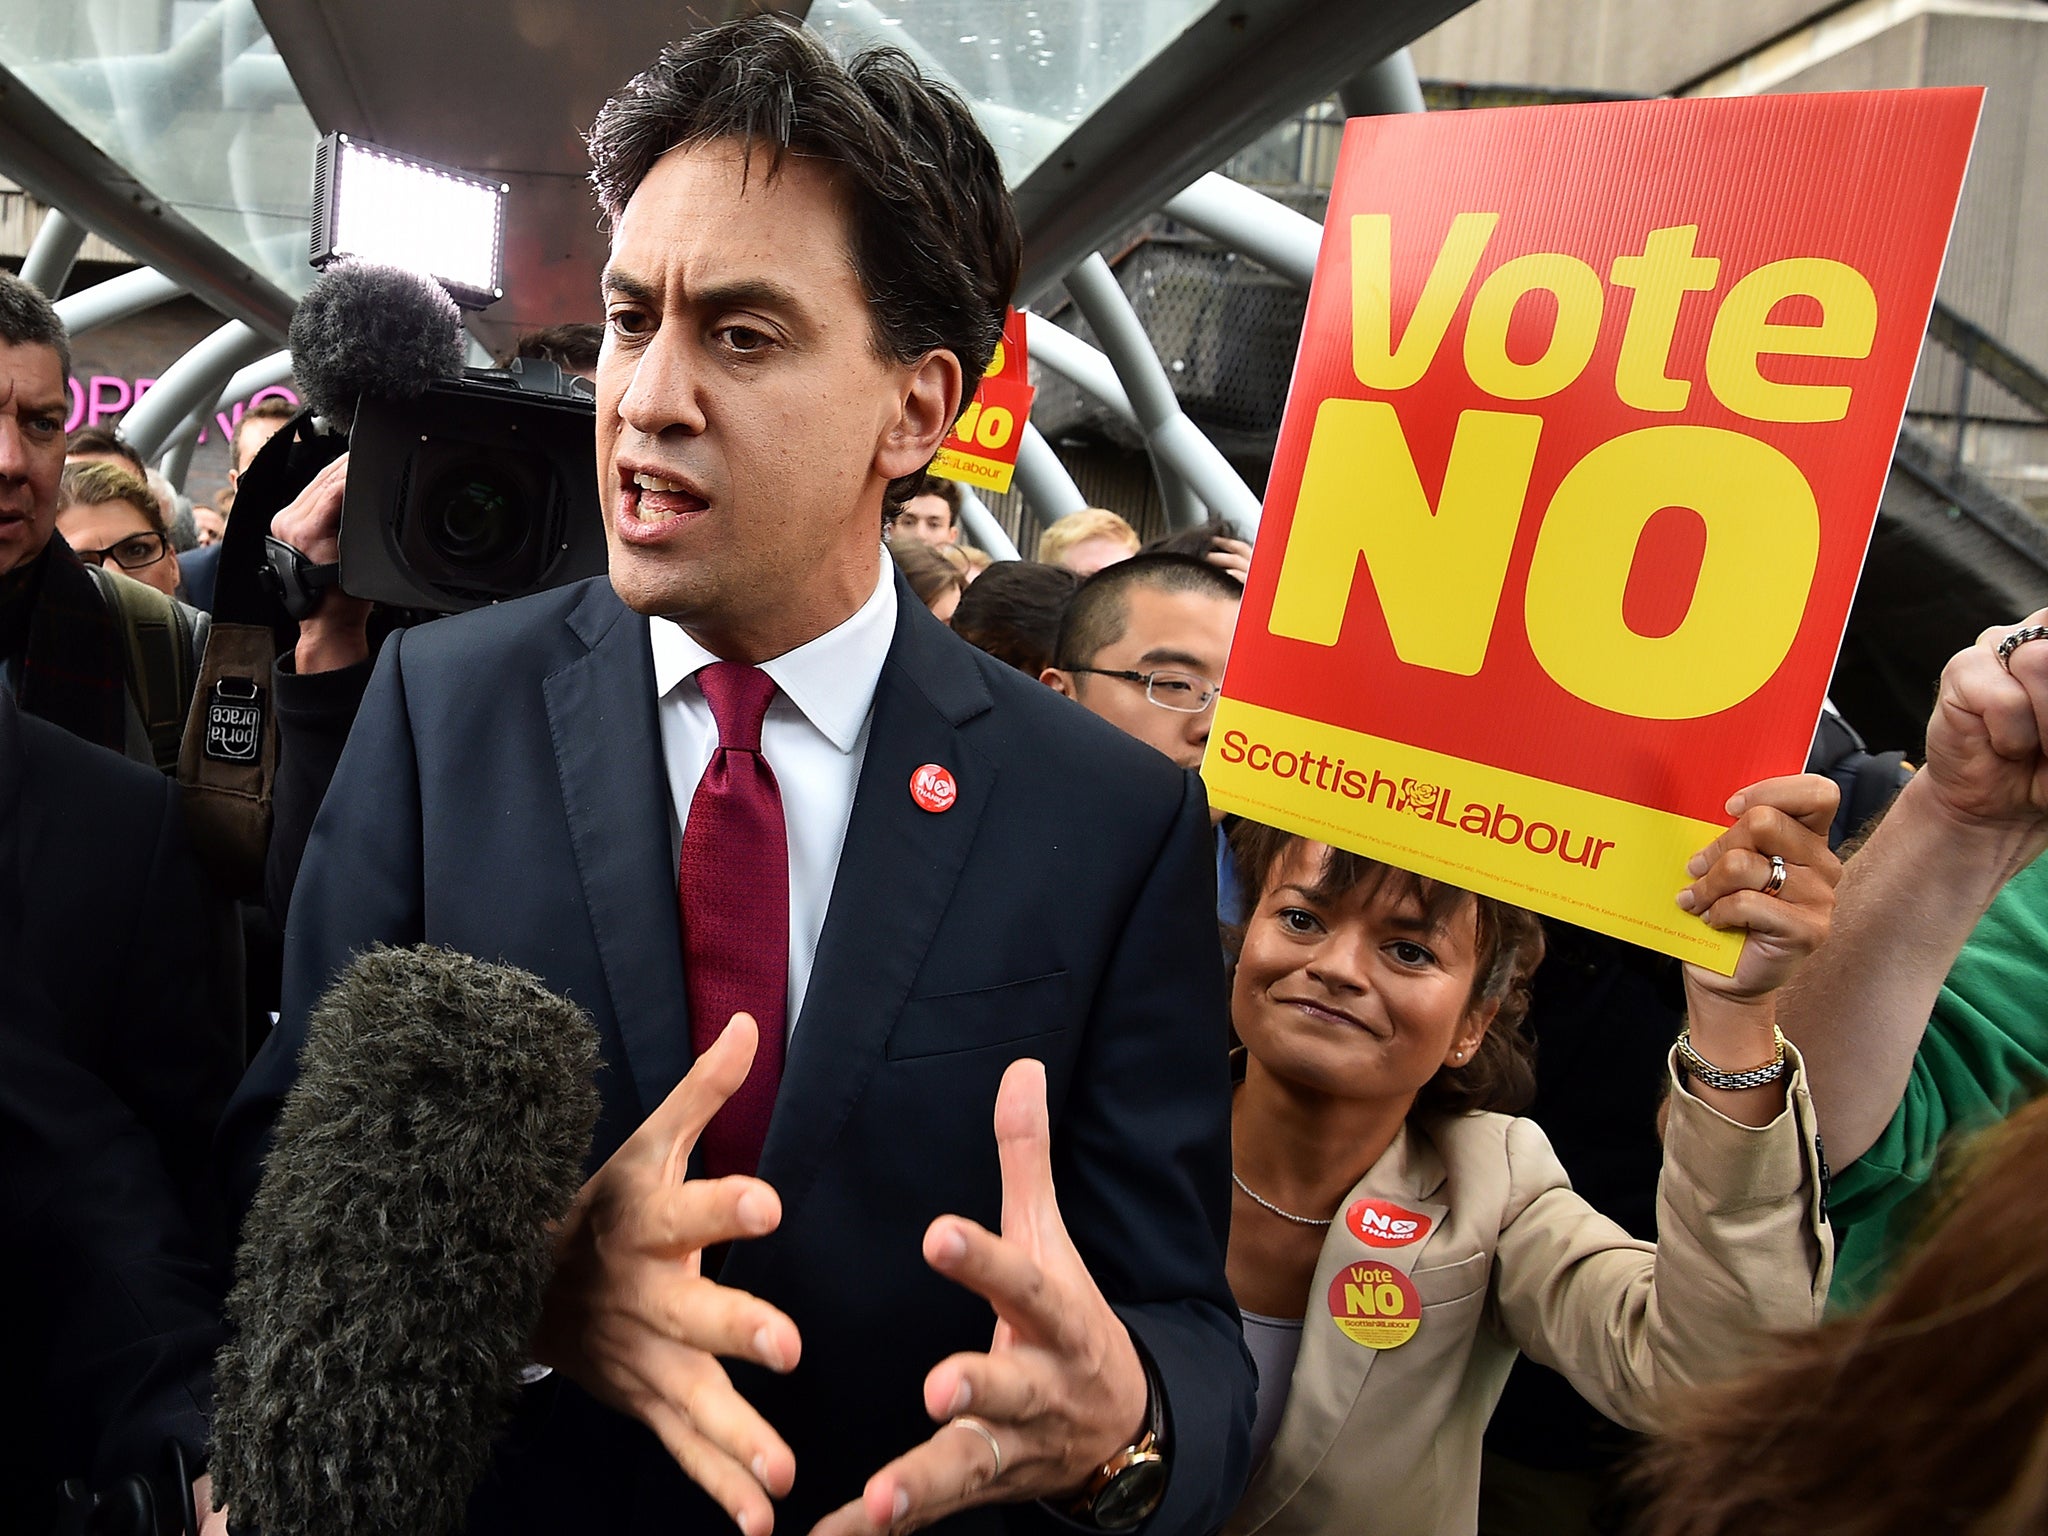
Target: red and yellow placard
982	448
1592	414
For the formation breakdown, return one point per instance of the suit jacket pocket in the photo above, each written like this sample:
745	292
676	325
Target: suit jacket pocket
1438	1285
985	1016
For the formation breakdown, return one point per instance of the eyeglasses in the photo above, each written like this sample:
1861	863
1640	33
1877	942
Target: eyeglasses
131	554
1185	693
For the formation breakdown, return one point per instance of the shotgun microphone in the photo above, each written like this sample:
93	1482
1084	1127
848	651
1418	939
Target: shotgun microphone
395	1258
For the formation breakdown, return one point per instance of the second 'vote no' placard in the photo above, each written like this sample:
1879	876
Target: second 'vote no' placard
1592	414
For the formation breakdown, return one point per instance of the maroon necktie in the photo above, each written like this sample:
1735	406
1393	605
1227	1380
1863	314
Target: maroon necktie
734	894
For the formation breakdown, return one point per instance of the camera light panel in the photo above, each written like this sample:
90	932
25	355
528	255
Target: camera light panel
376	205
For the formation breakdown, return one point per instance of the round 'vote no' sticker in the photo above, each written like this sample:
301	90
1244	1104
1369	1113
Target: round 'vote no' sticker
1375	1305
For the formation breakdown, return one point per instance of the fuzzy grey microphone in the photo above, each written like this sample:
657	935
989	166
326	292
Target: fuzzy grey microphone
367	329
394	1260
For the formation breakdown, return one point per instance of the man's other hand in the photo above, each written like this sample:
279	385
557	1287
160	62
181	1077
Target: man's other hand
630	1317
1061	1389
337	633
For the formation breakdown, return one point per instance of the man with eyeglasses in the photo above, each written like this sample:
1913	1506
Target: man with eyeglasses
1143	645
110	519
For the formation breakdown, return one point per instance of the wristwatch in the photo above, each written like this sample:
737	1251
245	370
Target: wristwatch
1127	1488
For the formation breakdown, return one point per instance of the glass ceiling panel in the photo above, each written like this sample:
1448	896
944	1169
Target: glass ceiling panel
191	98
1033	69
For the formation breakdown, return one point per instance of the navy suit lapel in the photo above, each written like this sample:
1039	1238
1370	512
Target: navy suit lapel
601	712
897	874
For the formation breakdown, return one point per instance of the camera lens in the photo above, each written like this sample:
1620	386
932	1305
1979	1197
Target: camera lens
475	519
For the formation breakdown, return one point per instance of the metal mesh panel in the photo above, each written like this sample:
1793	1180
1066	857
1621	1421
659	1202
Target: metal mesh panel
1225	330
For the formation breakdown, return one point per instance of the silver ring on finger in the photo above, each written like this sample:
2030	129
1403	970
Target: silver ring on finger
1777	881
966	1421
2015	640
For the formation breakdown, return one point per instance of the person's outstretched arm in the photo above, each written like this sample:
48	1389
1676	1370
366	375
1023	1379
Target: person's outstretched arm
1969	821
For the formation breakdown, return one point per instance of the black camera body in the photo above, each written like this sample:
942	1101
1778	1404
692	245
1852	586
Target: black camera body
484	488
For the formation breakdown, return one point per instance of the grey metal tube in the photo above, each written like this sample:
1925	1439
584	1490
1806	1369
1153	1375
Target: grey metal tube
1122	334
1252	224
1102	302
53	251
1388	87
1079	364
176	463
261	374
116	299
982	527
1179	450
193	381
1184	509
1048	490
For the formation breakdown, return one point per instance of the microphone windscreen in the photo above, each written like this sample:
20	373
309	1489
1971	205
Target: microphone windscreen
365	329
395	1257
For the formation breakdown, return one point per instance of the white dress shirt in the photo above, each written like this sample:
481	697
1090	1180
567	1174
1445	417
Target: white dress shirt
815	738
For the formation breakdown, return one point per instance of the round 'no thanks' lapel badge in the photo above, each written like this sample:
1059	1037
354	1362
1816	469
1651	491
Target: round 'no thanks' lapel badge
932	787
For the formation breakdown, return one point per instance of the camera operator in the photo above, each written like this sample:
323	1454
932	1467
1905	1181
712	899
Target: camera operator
319	682
320	678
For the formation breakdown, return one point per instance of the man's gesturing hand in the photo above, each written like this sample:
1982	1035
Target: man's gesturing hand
1061	1389
632	1320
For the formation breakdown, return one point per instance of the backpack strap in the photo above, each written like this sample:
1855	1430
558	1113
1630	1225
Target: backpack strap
162	640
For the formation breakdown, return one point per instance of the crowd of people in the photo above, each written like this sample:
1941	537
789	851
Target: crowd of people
989	1130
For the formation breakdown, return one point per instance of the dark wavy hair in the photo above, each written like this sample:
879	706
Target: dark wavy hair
29	319
935	241
1507	945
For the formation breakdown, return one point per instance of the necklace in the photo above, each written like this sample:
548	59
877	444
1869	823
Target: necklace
1260	1200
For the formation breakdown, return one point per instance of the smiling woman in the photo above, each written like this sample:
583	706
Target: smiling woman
1398	1235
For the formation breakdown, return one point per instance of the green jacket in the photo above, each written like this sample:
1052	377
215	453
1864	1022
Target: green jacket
1984	1055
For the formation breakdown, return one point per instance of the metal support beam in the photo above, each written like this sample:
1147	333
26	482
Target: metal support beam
261	374
1079	364
1048	490
116	299
1180	453
53	251
1107	309
1251	224
63	169
982	527
1232	73
1388	87
176	463
193	381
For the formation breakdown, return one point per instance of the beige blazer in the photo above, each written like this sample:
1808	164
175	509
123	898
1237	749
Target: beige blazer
1385	1442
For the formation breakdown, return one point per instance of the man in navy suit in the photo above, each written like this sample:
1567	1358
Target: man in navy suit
809	1275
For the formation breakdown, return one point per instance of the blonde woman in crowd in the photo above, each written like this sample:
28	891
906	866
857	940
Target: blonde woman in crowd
1085	541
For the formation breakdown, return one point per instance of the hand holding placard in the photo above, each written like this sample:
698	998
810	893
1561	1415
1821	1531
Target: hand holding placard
1786	819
